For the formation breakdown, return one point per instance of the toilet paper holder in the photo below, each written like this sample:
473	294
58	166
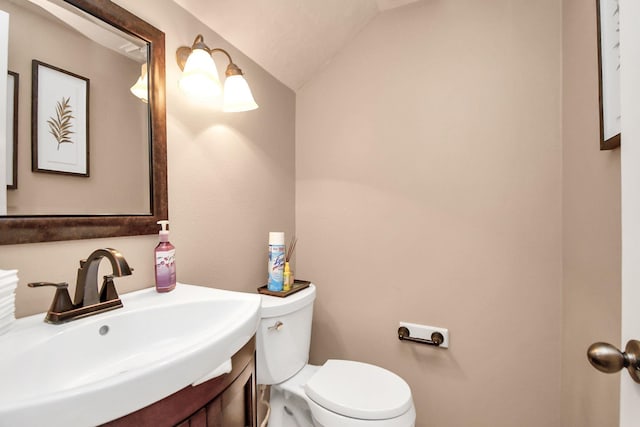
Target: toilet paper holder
436	337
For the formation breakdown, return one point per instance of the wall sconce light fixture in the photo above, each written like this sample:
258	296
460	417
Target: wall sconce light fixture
141	86
200	77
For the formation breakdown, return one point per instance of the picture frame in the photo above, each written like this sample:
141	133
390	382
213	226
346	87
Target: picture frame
608	13
13	85
60	121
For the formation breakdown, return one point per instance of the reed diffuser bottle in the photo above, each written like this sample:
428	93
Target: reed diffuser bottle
288	274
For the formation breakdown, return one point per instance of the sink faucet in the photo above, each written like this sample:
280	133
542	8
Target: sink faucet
88	300
87	282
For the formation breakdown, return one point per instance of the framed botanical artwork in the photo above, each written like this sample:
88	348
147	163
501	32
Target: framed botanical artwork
609	72
13	83
60	121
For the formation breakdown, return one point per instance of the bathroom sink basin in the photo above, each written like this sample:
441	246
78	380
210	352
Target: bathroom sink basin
102	367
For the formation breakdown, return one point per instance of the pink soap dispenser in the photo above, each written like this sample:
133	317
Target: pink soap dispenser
165	254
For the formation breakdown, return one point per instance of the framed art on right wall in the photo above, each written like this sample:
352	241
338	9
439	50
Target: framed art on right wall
13	83
608	12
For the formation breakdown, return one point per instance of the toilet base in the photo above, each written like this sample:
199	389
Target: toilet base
288	410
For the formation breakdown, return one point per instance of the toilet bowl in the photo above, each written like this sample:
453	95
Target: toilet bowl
340	393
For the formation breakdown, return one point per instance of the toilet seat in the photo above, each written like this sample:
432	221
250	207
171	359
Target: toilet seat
359	390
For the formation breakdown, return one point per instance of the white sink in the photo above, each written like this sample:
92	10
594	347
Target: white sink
76	375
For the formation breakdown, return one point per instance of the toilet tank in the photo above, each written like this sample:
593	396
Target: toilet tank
284	336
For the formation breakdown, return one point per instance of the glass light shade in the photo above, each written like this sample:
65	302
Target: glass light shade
200	76
237	95
141	88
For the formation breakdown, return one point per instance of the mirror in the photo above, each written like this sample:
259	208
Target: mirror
108	206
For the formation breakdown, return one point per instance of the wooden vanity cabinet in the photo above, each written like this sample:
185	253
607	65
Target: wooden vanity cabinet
225	401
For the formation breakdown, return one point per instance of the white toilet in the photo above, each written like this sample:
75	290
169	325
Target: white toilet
340	393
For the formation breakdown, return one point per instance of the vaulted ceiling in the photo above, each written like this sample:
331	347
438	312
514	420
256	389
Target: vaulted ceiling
291	39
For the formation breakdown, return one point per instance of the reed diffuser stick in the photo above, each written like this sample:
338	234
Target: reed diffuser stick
291	248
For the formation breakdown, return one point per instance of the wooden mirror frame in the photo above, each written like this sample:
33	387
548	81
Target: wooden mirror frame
32	229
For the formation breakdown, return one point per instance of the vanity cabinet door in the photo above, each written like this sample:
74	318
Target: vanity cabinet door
214	413
199	419
239	402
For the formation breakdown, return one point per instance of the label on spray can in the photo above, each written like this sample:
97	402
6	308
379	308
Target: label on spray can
276	268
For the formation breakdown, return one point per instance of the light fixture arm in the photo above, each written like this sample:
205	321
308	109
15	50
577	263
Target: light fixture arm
218	49
198	43
232	69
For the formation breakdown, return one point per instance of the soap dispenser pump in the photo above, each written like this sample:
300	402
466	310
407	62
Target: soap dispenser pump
165	254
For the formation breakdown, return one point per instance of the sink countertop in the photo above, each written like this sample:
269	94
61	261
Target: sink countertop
93	370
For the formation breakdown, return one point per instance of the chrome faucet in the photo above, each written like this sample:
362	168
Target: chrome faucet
88	300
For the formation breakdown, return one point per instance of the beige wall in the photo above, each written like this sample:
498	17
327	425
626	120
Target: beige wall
428	190
591	230
231	181
118	146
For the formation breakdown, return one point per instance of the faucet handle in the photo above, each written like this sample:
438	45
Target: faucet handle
108	291
61	300
61	285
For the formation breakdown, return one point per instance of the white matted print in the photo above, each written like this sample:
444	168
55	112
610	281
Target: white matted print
60	110
609	72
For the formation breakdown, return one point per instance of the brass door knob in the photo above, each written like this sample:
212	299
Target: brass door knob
607	358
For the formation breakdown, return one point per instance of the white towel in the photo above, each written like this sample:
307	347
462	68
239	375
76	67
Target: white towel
8	279
5	328
225	368
8	284
8	273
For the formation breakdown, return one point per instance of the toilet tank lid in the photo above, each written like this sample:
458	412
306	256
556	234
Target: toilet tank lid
359	390
277	306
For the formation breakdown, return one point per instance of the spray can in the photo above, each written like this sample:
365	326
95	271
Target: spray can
276	261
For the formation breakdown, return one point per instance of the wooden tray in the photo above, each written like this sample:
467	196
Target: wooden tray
298	285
